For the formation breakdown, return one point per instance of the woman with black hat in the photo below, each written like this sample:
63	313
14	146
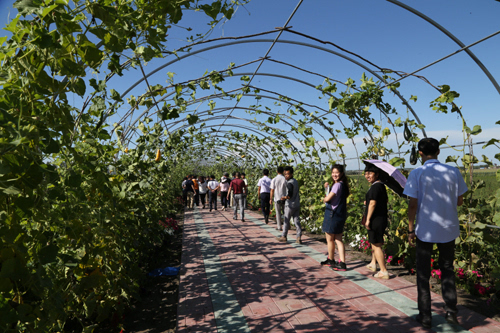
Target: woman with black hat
376	219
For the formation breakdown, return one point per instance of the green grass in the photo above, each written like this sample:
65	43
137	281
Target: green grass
491	183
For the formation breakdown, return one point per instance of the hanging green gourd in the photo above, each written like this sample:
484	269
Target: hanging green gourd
413	156
407	132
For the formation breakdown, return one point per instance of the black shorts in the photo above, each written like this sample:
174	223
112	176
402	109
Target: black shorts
377	230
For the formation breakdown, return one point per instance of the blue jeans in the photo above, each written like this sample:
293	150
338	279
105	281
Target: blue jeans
448	288
239	198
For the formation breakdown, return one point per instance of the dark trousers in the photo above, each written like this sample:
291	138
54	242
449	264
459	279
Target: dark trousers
212	198
184	197
202	198
448	289
197	197
264	204
223	199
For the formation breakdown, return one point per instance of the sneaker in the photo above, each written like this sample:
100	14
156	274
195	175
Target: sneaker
328	262
235	218
281	239
298	241
242	220
426	322
451	317
339	266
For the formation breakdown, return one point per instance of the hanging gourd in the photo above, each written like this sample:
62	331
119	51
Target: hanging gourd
158	156
413	156
407	133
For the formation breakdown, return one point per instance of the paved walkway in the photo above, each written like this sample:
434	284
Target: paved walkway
236	277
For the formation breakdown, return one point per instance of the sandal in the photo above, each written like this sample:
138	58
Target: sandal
371	268
381	275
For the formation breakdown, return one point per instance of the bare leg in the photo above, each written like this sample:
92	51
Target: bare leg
330	242
378	254
340	246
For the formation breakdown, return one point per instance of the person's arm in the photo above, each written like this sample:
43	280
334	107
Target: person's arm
271	197
412	212
229	190
371	209
258	191
460	200
289	187
329	196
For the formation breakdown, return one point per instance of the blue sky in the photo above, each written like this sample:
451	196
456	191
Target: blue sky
378	30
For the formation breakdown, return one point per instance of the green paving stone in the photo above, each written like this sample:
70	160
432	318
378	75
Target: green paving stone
227	311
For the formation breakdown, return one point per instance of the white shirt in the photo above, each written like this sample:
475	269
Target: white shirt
212	185
264	183
436	186
278	184
203	187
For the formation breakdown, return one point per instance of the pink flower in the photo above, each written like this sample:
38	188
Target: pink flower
460	273
389	259
480	289
436	273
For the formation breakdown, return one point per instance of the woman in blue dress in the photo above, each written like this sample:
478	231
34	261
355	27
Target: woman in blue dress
335	217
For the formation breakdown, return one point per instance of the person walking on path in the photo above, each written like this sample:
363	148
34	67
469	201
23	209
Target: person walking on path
196	191
292	206
213	187
189	187
264	193
335	217
435	191
224	187
238	188
278	190
184	192
244	178
376	219
203	190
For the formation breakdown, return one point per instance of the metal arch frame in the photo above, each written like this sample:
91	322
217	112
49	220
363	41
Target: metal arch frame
405	102
315	118
132	129
214	135
452	37
255	131
253	149
226	153
252	121
256	122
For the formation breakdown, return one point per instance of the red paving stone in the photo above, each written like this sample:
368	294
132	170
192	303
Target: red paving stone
280	289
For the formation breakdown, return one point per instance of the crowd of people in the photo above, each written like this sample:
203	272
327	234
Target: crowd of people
435	190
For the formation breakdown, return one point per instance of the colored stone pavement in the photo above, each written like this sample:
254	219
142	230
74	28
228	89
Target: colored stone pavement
236	277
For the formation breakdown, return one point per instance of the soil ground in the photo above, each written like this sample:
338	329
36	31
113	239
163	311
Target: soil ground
156	310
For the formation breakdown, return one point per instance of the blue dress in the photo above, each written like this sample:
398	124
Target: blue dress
335	218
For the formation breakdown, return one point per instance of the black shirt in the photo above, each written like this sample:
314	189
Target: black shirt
189	185
378	193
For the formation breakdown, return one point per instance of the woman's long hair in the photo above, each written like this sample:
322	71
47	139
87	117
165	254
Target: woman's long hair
343	178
